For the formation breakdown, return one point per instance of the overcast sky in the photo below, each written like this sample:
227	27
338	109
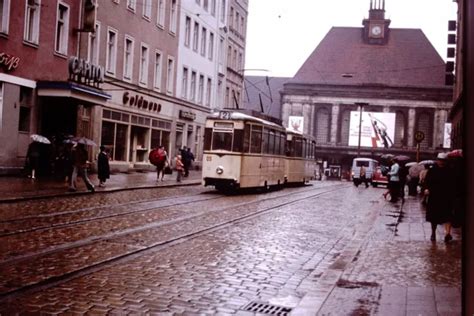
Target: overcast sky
281	34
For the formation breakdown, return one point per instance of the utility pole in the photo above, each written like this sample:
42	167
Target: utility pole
361	106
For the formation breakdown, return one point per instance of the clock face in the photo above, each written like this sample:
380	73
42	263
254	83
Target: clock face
376	30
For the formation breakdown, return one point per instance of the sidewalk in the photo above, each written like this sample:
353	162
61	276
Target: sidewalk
16	188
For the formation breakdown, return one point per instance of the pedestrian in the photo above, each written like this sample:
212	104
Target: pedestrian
363	176
414	179
188	160
103	167
79	161
422	182
402	176
439	189
394	182
179	167
33	159
159	157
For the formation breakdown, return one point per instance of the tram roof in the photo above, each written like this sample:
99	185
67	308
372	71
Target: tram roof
235	115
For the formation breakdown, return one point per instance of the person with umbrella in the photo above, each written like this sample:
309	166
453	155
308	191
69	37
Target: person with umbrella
103	167
394	182
33	154
440	187
79	157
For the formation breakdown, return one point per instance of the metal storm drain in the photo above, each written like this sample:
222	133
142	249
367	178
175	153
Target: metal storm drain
266	308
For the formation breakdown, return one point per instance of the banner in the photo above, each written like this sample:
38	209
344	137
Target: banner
377	129
295	124
447	135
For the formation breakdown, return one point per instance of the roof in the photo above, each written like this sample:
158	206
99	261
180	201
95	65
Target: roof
255	85
408	59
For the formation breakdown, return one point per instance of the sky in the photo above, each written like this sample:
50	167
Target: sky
281	34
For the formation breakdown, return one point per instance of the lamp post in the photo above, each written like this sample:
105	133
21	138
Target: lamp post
361	106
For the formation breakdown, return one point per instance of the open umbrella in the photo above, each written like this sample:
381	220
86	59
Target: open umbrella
84	141
411	163
456	153
426	162
387	156
402	158
39	139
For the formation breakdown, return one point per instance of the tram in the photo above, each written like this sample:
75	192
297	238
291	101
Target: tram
246	151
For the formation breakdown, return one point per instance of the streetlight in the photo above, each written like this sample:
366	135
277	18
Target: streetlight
361	106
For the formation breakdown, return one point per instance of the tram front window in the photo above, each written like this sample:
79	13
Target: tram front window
222	141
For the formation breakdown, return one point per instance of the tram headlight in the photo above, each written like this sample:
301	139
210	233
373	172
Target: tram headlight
220	170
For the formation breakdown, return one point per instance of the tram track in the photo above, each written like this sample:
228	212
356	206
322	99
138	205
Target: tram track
183	228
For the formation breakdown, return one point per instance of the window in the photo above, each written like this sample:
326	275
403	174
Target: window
160	15
187	31
213	7
322	126
205	5
158	70
256	139
231	17
62	29
192	90
229	56
208	91
1	105
173	17
222	13
132	5
203	41
200	89
4	16
144	64
184	84
237	20
211	46
147	9
195	36
94	40
32	21
170	76
234	59
128	58
111	51
24	121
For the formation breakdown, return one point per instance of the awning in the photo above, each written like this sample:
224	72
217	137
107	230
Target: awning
66	89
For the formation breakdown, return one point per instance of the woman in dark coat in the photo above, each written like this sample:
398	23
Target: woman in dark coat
439	184
103	166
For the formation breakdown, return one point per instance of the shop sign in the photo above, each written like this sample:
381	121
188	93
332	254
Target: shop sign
9	62
84	72
187	115
140	102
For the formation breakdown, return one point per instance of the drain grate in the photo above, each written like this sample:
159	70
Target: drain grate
265	308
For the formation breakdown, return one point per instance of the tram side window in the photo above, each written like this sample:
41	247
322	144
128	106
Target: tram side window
222	141
207	138
256	140
246	138
271	143
265	142
282	144
298	147
238	144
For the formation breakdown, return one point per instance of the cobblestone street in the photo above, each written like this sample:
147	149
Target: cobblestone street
189	250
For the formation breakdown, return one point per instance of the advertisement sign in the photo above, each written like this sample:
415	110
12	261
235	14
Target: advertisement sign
447	135
377	129
295	124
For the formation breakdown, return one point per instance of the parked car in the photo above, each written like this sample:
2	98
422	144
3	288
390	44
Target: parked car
379	177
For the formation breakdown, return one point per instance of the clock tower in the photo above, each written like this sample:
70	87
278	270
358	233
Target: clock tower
376	27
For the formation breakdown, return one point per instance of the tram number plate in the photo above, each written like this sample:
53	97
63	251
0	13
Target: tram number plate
225	115
209	158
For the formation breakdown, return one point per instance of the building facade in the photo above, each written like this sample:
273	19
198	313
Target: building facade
111	71
370	74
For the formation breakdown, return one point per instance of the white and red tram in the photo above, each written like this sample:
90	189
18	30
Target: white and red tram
245	151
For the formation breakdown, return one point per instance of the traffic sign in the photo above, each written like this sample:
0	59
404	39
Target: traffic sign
419	136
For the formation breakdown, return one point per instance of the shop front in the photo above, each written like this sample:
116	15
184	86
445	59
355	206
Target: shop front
132	124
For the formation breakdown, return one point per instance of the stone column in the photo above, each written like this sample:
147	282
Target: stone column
334	123
307	119
440	118
411	127
285	113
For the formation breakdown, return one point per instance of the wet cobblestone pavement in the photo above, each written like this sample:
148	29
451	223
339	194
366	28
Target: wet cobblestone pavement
137	252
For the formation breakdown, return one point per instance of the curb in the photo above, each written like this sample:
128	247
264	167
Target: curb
117	189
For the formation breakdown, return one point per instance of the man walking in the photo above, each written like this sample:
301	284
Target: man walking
79	162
